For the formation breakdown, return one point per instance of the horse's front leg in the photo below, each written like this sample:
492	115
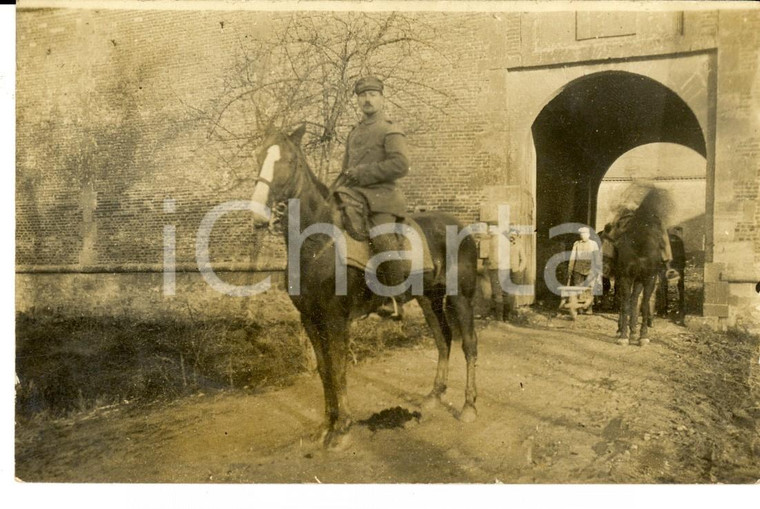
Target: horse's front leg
318	342
649	287
623	286
432	308
336	359
638	286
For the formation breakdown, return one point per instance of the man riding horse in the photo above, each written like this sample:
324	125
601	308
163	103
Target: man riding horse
376	156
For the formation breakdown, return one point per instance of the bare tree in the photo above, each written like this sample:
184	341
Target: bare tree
304	70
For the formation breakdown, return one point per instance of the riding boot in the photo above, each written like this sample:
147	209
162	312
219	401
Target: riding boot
392	307
495	310
393	275
390	272
506	312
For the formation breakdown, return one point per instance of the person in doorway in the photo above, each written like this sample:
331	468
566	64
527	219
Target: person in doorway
585	261
502	303
677	268
608	260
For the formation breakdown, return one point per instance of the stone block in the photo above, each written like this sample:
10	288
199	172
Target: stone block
724	230
713	271
715	310
717	293
749	211
700	322
738	255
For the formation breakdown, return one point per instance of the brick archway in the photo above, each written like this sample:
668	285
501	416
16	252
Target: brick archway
591	122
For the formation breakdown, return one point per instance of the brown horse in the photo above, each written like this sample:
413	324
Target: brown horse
284	174
638	261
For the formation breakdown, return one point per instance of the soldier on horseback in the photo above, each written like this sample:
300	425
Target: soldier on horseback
376	156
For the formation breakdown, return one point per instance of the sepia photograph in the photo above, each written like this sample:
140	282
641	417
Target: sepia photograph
387	243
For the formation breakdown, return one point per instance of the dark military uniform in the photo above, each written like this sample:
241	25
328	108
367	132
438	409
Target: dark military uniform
377	156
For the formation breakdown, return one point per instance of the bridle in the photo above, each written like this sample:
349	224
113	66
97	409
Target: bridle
279	206
279	209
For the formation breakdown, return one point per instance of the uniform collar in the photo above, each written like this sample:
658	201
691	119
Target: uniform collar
380	115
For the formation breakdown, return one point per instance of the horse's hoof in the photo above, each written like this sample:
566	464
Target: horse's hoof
431	401
335	440
622	339
319	434
644	341
468	414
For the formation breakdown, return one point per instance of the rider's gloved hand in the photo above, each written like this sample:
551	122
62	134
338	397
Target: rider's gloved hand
350	176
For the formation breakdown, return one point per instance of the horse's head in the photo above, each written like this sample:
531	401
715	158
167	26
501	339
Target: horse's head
277	159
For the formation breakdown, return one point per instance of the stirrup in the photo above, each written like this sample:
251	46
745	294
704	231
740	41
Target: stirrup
396	314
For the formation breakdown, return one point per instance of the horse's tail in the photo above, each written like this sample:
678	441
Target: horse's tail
434	226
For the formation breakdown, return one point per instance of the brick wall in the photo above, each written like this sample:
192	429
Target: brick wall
730	288
451	165
107	132
104	135
738	136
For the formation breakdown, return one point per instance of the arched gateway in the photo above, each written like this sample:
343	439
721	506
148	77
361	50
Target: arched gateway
579	134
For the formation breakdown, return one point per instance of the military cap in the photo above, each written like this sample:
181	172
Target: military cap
368	83
584	229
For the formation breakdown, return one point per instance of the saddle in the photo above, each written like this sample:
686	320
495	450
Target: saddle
352	215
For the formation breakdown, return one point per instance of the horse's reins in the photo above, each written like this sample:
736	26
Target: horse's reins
337	182
259	178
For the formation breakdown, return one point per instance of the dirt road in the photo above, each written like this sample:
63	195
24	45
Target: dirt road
560	404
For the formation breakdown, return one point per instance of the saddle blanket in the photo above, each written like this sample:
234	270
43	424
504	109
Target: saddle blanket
358	252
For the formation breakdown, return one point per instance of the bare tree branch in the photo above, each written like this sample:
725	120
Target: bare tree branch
303	72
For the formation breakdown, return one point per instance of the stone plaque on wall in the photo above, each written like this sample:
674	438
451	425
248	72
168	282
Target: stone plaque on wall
595	25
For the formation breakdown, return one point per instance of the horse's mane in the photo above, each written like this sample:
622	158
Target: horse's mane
318	184
640	243
648	218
